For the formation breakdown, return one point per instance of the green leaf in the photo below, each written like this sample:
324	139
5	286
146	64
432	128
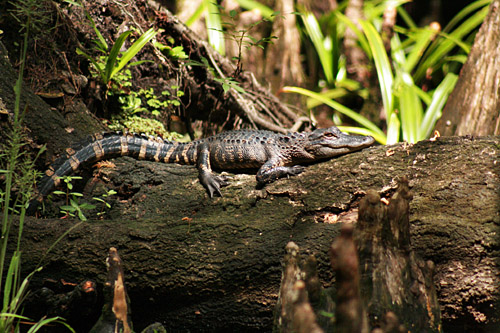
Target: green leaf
197	14
214	27
410	111
382	64
264	10
460	58
406	17
10	280
93	61
435	108
393	129
81	216
359	34
468	10
74	3
441	46
321	44
134	49
112	58
356	130
101	42
67	208
371	127
421	38
46	321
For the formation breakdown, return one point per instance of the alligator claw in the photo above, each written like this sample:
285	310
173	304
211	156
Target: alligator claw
295	170
213	184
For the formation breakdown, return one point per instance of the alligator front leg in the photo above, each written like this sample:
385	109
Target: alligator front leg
209	181
271	170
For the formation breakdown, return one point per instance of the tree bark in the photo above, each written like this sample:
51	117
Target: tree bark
195	263
474	105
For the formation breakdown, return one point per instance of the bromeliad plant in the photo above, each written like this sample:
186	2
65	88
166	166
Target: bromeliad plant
409	111
111	63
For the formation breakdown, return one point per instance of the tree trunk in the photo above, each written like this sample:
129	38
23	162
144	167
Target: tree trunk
474	105
194	263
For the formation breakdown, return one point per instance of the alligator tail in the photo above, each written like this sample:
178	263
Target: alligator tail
109	145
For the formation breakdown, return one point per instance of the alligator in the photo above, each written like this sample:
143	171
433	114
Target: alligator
275	155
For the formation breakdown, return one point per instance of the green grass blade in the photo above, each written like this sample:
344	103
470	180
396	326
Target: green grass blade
398	54
468	10
330	94
424	97
133	50
101	42
403	14
440	47
323	48
197	14
460	58
361	37
410	112
12	315
20	293
363	131
10	281
265	11
435	108
422	38
214	27
93	61
382	64
377	132
393	129
46	321
463	45
111	61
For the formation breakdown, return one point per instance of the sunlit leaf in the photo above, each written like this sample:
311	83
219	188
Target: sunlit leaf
393	129
410	112
441	46
371	127
133	50
214	27
439	99
359	34
322	45
264	10
197	14
382	64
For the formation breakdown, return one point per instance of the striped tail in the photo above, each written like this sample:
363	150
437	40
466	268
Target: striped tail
108	145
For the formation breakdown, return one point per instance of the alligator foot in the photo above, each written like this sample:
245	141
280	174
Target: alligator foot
265	176
213	183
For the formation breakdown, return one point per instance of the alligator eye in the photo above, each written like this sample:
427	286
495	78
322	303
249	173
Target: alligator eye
329	134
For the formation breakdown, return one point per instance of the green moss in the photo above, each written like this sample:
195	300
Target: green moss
147	126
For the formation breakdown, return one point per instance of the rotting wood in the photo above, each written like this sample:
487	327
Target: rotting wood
387	287
350	313
116	311
393	277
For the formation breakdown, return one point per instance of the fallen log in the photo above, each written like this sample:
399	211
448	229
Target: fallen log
194	263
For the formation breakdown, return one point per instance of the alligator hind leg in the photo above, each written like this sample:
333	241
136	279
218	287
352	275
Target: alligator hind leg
209	181
270	171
